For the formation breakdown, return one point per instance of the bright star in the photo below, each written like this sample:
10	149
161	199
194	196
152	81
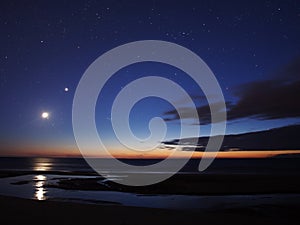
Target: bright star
45	115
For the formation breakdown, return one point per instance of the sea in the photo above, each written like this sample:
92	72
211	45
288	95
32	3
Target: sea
219	166
40	172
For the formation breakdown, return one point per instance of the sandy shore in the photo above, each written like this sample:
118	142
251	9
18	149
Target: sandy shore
186	184
196	185
24	211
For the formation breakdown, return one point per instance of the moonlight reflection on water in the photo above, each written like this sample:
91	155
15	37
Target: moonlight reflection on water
40	190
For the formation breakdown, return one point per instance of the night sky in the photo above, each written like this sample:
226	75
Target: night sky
253	48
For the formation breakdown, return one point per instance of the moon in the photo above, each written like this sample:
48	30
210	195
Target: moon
45	115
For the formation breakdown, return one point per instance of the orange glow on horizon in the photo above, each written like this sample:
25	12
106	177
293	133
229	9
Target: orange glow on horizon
157	153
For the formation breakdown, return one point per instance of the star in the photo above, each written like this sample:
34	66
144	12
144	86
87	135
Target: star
45	115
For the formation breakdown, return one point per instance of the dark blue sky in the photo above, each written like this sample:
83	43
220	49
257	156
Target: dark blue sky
252	47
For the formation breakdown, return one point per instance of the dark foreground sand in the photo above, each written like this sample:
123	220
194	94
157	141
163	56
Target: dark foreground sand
24	211
182	184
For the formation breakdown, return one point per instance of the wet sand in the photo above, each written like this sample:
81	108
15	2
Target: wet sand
186	184
195	184
25	211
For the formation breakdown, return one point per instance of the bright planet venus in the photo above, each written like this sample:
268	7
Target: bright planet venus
45	115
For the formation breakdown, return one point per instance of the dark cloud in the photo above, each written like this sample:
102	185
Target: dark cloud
276	98
268	100
284	138
203	113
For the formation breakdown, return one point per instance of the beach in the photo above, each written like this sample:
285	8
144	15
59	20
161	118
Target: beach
57	191
25	211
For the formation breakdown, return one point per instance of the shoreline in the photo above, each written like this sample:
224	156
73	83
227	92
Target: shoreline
179	184
26	211
219	192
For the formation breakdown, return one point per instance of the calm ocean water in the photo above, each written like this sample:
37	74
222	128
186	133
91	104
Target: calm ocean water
219	166
36	185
